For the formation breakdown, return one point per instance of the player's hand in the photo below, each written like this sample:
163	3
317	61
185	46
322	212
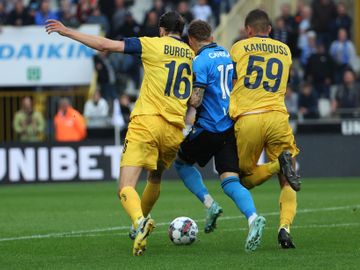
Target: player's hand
55	26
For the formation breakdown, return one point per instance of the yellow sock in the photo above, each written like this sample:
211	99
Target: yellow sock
261	173
149	197
130	200
288	206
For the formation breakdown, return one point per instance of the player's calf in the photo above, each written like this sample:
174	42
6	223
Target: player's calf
288	170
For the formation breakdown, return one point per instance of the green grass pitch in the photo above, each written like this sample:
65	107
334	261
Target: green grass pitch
82	226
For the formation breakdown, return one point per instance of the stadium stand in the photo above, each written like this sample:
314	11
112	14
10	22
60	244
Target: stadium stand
323	83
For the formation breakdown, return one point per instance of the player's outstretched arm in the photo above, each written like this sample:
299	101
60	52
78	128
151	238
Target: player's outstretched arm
196	97
95	42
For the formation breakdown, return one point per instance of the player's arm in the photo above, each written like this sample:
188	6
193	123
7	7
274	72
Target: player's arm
92	41
196	97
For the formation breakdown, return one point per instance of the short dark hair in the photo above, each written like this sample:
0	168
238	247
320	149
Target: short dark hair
258	19
172	22
200	30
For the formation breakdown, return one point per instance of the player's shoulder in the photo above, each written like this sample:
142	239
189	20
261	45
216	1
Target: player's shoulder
240	43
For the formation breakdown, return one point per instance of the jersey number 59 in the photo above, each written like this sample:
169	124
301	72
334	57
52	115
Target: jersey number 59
270	76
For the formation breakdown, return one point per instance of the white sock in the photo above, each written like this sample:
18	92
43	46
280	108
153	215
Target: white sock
208	200
252	218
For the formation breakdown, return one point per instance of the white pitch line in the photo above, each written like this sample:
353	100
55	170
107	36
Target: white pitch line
310	226
109	229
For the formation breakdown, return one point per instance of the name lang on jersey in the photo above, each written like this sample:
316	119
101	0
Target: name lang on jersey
263	47
177	51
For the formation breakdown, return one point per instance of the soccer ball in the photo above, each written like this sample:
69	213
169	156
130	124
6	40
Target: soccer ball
183	231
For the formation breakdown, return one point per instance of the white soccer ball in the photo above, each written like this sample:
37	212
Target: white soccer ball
183	231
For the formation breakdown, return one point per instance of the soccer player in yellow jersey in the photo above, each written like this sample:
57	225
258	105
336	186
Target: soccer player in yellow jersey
155	131
261	119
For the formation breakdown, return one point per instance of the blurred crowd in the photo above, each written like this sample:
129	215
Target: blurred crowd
323	81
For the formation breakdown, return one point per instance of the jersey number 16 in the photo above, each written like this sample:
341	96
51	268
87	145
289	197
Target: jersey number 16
179	78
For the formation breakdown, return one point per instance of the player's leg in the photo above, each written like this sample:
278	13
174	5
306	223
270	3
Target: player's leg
280	140
250	144
129	198
288	205
195	149
151	192
139	151
226	162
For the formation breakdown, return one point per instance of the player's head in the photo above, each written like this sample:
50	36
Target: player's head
257	22
199	34
171	23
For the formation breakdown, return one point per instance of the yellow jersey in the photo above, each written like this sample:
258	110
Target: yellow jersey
167	83
262	70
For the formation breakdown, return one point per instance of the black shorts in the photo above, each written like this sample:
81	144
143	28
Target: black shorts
201	145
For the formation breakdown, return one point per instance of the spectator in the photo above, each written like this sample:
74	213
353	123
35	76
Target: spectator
184	10
202	11
69	124
106	75
320	70
29	124
19	16
280	32
304	27
324	11
151	28
342	20
44	13
216	9
294	79
96	111
68	17
83	10
108	8
291	26
308	102
3	14
291	102
158	7
308	49
121	114
130	28
347	95
118	18
97	17
343	52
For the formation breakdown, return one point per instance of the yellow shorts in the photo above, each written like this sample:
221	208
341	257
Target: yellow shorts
270	131
150	142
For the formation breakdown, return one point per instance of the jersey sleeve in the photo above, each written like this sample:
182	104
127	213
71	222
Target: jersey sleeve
200	73
146	47
132	46
150	49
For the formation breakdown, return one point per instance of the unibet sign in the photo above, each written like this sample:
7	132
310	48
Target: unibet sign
59	163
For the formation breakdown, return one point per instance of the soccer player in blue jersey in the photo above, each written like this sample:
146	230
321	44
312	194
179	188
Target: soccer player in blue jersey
212	135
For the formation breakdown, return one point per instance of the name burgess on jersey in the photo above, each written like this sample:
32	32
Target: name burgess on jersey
178	52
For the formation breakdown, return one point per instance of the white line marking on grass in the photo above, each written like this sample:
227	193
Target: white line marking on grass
110	229
310	226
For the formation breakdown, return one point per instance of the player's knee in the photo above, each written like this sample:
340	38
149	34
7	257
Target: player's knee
246	183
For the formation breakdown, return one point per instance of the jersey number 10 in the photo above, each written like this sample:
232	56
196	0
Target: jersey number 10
179	78
224	79
276	77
